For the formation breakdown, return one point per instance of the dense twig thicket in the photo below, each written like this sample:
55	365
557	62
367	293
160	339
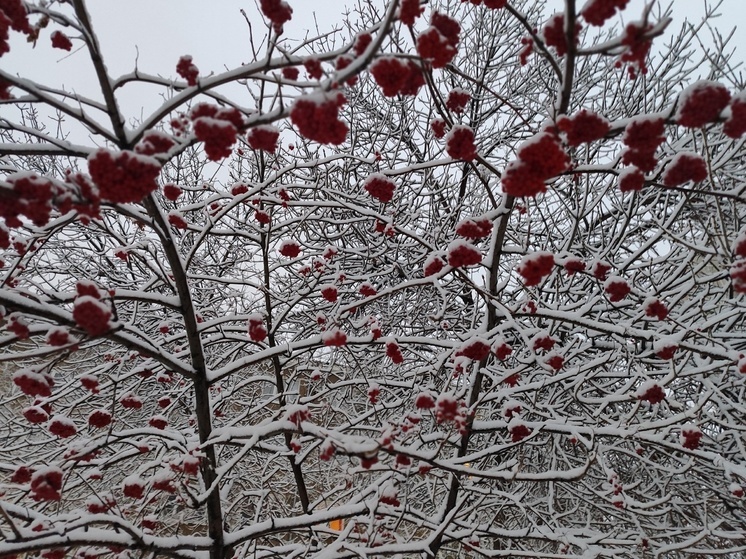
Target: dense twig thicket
462	279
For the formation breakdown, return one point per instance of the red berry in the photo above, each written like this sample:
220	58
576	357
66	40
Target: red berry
187	70
61	41
701	103
535	267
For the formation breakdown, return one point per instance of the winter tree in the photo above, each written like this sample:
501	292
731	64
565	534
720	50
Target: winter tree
459	279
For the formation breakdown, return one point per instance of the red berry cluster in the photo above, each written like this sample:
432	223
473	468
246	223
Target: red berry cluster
438	126
438	43
539	159
543	341
535	267
573	265
424	401
158	422
263	137
701	103
690	437
123	177
257	330
642	136
685	167
367	289
131	401
397	77
555	361
99	505
583	127
518	431
433	265
512	409
334	338
329	292
616	288
457	100
171	192
46	484
460	143
631	179
380	187
133	486
651	392
154	142
665	349
390	496
474	228
313	68
90	382
99	419
502	350
35	414
461	254
13	15
262	217
526	50
617	490
290	73
735	124
61	41
393	352
33	382
218	134
654	308
62	427
289	249
554	33
317	117
177	220
638	45
362	42
596	12
187	70
31	196
448	408
343	62
278	12
5	86
475	349
89	312
409	11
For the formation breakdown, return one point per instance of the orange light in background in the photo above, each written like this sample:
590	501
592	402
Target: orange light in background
336	524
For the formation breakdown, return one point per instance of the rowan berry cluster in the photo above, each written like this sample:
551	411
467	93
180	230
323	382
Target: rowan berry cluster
317	117
439	42
554	33
535	267
278	12
380	187
474	228
460	143
397	77
61	41
539	159
685	167
264	137
462	254
583	127
123	177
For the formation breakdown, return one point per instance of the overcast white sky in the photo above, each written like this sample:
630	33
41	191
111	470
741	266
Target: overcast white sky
155	33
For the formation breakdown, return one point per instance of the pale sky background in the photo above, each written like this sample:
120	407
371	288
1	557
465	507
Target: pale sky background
155	33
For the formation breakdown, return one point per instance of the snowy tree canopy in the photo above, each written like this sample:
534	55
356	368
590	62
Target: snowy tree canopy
458	279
